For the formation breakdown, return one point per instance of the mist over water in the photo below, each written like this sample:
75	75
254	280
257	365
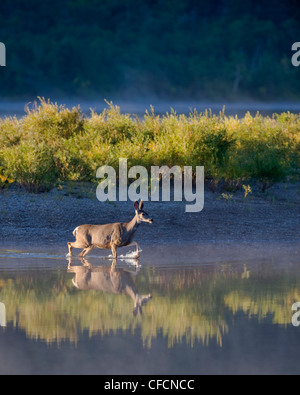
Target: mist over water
18	108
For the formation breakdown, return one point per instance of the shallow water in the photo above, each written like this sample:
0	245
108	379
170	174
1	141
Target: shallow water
84	317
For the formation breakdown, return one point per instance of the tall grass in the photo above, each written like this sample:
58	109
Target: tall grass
53	144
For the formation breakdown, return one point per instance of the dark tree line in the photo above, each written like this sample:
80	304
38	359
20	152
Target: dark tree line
166	48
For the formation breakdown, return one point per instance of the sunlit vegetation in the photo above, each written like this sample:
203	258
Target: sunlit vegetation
188	305
53	144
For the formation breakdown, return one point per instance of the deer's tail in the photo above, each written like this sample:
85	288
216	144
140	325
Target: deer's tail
75	231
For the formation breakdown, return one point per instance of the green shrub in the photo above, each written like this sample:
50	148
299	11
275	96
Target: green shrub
30	164
72	161
48	121
53	144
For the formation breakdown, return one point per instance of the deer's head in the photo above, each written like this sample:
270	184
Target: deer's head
142	215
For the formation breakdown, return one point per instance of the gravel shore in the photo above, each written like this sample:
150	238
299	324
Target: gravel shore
259	221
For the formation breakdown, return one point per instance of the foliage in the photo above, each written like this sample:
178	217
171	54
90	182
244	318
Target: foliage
52	144
247	190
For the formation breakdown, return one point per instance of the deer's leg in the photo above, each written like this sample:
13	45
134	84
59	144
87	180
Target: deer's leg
113	267
69	263
137	248
70	249
114	251
75	244
86	250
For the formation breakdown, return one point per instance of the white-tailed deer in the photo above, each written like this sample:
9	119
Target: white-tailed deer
109	236
108	279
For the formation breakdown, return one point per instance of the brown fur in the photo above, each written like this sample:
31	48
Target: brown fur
109	236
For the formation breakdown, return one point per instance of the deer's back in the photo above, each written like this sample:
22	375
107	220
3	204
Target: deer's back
103	235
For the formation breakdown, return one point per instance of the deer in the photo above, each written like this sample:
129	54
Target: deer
109	236
108	279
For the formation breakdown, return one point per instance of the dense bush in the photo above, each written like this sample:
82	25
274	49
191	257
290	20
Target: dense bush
52	144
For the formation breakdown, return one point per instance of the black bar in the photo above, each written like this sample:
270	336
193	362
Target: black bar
144	383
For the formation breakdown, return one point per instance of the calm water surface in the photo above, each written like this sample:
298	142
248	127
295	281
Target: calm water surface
85	317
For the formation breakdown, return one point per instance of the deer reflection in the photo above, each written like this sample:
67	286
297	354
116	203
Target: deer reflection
108	279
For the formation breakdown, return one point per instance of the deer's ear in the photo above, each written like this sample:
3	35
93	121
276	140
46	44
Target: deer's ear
141	205
136	205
